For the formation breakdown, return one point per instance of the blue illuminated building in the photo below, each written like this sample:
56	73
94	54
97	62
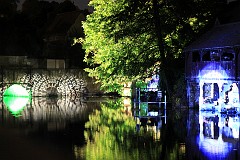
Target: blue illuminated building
213	69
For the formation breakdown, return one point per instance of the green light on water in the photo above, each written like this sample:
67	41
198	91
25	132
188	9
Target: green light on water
16	98
15	104
16	90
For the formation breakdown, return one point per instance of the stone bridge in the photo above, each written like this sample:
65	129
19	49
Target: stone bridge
48	82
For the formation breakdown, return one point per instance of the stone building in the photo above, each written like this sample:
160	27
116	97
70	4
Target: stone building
55	49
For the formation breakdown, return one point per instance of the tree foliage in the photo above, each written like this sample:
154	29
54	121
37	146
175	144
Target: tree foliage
110	131
7	7
126	40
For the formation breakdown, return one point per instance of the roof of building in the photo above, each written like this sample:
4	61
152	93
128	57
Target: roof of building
227	35
60	32
62	22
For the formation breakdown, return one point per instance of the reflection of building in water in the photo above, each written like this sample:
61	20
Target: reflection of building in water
127	106
218	135
58	109
208	121
227	132
149	124
51	112
210	127
149	118
207	128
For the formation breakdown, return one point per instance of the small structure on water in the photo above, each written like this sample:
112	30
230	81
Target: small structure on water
148	107
150	92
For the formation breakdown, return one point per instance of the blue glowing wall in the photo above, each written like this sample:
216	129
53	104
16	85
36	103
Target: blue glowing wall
213	79
153	84
217	91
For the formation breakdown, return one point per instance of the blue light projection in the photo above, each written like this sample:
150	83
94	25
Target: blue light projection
153	83
218	136
217	91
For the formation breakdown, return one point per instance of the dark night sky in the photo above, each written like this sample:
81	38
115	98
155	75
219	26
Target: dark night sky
82	4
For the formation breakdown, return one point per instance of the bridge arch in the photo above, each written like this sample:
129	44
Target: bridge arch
43	83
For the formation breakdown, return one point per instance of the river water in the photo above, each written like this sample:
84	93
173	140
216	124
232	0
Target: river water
112	129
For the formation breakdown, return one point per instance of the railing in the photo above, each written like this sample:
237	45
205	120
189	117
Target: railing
150	96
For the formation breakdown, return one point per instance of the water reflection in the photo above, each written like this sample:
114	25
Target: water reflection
15	104
117	129
149	118
49	128
111	134
46	110
219	135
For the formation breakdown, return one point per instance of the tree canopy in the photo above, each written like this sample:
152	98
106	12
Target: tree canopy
7	7
126	40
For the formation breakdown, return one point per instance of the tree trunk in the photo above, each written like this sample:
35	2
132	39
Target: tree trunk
157	21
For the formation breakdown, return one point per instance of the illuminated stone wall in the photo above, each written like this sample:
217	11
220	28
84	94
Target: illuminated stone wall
54	82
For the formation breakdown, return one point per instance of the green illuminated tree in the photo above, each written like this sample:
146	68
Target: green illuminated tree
111	134
127	40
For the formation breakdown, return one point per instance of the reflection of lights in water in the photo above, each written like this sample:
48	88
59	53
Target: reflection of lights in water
182	148
156	132
211	147
217	143
127	101
15	104
64	108
15	98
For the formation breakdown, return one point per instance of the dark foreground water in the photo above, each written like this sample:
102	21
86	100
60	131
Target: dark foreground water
96	129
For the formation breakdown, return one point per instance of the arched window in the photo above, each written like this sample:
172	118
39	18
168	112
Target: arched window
206	56
227	56
195	56
215	56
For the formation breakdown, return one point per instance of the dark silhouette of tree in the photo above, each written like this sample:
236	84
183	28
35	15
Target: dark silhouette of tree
8	8
66	6
22	32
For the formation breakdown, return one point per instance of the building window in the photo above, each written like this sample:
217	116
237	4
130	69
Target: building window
227	56
195	56
206	56
55	63
215	56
